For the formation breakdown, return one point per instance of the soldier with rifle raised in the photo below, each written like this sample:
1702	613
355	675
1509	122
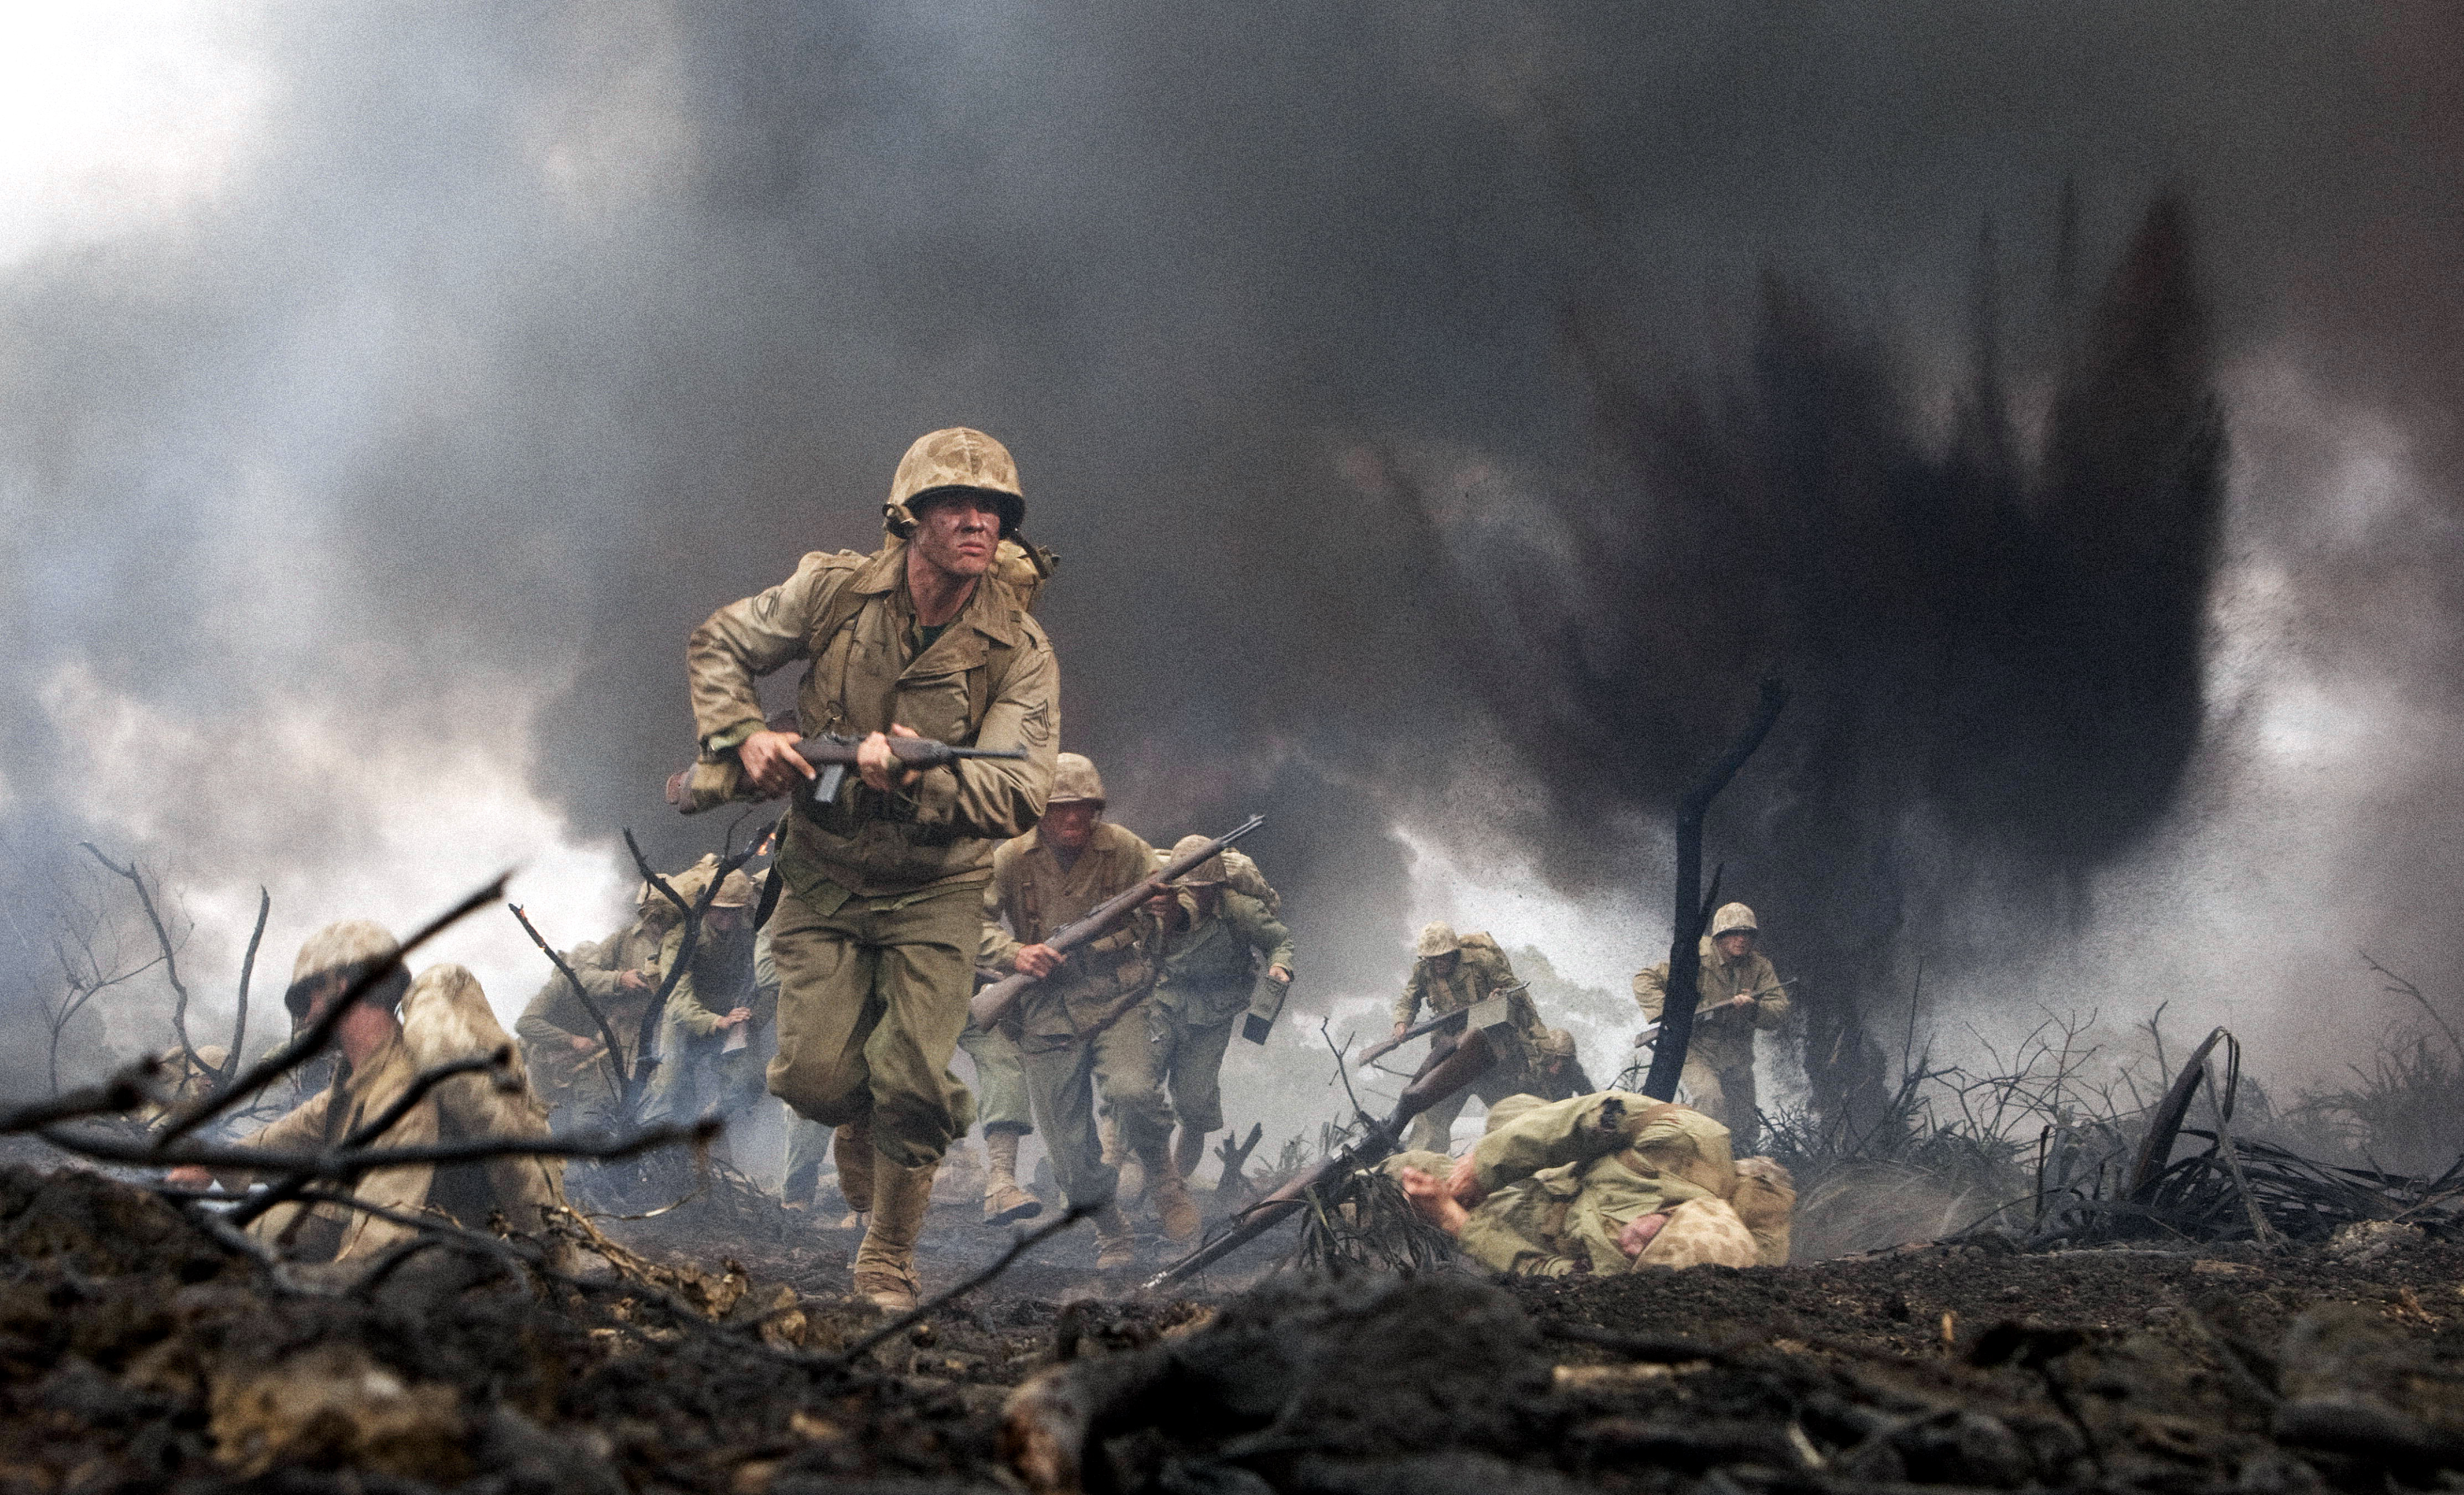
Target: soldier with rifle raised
1452	974
1212	932
1083	1023
927	677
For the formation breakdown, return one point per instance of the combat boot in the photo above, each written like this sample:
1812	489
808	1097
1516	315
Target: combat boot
884	1263
852	1146
1116	1245
1003	1199
1170	1196
1188	1151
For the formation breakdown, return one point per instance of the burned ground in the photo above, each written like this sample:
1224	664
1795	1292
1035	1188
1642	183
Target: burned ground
135	1352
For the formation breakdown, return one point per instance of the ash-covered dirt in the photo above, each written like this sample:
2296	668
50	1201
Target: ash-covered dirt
136	1353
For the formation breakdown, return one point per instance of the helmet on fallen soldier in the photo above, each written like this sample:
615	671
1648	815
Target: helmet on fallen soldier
954	460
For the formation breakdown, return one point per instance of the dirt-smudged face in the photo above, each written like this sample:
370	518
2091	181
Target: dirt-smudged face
955	534
1736	944
1068	827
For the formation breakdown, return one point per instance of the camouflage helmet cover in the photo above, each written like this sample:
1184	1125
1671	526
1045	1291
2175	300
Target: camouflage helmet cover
953	458
1209	874
1437	939
1733	918
1557	1043
343	948
1075	779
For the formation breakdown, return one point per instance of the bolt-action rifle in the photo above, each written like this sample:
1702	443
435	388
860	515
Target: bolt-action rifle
993	1003
1469	1062
1651	1031
833	756
1444	1022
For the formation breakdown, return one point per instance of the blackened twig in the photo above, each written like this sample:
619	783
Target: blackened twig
385	1121
685	946
163	937
124	1092
351	1164
606	1033
247	970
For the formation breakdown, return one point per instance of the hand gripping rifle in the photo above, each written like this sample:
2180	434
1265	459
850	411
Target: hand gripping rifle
834	755
993	1003
1650	1034
1469	1062
1492	1009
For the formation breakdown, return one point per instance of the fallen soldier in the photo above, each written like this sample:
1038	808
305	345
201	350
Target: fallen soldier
399	1028
1603	1184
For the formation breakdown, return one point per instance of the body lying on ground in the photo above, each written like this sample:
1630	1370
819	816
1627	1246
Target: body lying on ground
398	1029
1603	1184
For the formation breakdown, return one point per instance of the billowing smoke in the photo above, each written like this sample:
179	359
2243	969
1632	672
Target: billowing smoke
378	415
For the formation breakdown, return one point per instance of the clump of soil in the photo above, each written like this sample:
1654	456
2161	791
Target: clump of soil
135	1352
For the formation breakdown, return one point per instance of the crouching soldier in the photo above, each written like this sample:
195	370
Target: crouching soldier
394	1031
562	1044
1603	1184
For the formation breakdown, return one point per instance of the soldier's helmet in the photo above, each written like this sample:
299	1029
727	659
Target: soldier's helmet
343	949
1209	874
1503	1112
735	890
1733	918
955	459
690	883
1075	779
1558	1044
1437	939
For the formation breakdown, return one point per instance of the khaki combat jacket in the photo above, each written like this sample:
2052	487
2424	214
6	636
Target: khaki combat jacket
1204	972
1038	896
1565	1179
1721	1041
466	1107
989	680
1480	969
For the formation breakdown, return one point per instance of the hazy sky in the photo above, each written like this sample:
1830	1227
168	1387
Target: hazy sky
386	391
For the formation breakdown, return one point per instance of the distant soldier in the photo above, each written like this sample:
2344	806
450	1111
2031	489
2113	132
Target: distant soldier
562	1043
880	907
184	1081
1448	975
1603	1184
1739	994
1560	1076
710	1013
1084	1023
1213	935
393	1033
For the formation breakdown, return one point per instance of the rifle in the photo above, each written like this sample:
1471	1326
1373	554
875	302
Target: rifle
834	755
1436	1081
994	1002
1651	1032
1447	1022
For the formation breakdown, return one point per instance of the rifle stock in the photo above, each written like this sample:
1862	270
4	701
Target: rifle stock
994	1002
1468	1061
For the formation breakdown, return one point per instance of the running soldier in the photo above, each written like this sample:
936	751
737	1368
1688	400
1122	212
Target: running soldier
1448	975
880	909
1739	994
1211	937
1084	1024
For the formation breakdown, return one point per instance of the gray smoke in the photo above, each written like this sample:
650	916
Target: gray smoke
505	345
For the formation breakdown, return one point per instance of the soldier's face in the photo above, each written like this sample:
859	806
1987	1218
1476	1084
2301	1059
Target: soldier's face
725	920
957	532
1444	964
1070	827
1736	946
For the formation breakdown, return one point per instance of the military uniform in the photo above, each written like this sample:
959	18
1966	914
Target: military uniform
1203	988
443	1016
876	928
1479	970
1088	1020
695	1076
1719	1074
1564	1181
562	1075
1560	1073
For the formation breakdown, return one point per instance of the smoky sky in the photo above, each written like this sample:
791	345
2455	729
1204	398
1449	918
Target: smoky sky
519	338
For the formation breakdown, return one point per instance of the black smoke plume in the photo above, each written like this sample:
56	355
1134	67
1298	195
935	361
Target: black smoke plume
1997	650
